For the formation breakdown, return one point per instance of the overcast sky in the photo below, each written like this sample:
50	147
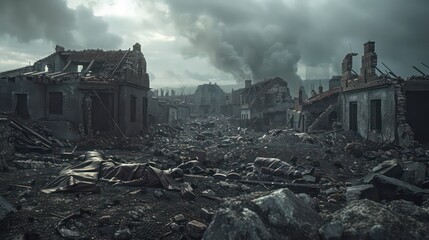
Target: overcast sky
188	42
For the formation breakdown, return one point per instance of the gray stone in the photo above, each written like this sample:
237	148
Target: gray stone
5	208
394	189
366	191
219	176
309	201
377	232
391	168
407	208
331	231
237	224
180	218
364	214
206	214
414	172
123	234
233	175
309	178
283	209
196	229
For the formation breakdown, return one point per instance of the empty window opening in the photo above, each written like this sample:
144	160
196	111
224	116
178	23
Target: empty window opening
353	116
55	103
133	106
79	68
46	68
376	114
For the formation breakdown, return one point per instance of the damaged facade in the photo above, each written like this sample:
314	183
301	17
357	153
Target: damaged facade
318	112
264	103
78	93
383	108
209	99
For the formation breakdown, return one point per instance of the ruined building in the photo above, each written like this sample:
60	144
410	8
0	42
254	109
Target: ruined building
78	93
209	99
265	103
383	108
318	112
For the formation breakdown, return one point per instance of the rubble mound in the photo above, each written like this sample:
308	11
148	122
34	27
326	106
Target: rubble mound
365	219
278	215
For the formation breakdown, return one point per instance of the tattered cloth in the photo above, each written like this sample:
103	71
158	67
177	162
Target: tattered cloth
82	177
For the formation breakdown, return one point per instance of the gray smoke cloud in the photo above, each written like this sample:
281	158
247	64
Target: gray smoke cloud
262	39
52	20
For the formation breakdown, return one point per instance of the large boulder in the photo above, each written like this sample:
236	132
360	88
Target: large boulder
237	224
365	219
278	215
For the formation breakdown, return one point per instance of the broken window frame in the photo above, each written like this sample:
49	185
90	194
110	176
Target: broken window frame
375	115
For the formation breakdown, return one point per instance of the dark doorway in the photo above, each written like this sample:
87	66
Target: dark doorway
21	108
417	114
102	112
144	111
353	116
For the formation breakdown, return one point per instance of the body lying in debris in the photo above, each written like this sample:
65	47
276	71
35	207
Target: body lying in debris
82	177
275	167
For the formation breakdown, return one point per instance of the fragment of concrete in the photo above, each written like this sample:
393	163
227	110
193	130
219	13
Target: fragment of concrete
219	176
414	172
206	214
196	229
359	217
394	189
285	214
187	192
5	208
179	218
233	176
357	149
365	191
331	231
391	168
122	234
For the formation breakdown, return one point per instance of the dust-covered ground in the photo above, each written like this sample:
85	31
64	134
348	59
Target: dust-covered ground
124	212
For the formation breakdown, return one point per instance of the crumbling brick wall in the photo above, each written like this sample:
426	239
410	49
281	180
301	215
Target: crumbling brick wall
405	133
6	145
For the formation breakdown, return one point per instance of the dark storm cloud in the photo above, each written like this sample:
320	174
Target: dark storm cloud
268	38
53	21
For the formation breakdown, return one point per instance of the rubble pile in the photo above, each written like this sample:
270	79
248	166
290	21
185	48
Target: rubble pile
6	146
233	183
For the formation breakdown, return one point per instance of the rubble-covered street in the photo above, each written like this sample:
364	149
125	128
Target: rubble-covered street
341	187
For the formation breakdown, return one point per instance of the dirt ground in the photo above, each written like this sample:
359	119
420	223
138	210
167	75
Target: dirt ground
149	216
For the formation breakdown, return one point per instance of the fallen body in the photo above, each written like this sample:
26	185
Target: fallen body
275	167
83	176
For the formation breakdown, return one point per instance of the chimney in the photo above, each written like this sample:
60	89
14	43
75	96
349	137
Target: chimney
320	89
247	83
137	47
59	48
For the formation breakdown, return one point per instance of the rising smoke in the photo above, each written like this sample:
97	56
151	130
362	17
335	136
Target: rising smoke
265	38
